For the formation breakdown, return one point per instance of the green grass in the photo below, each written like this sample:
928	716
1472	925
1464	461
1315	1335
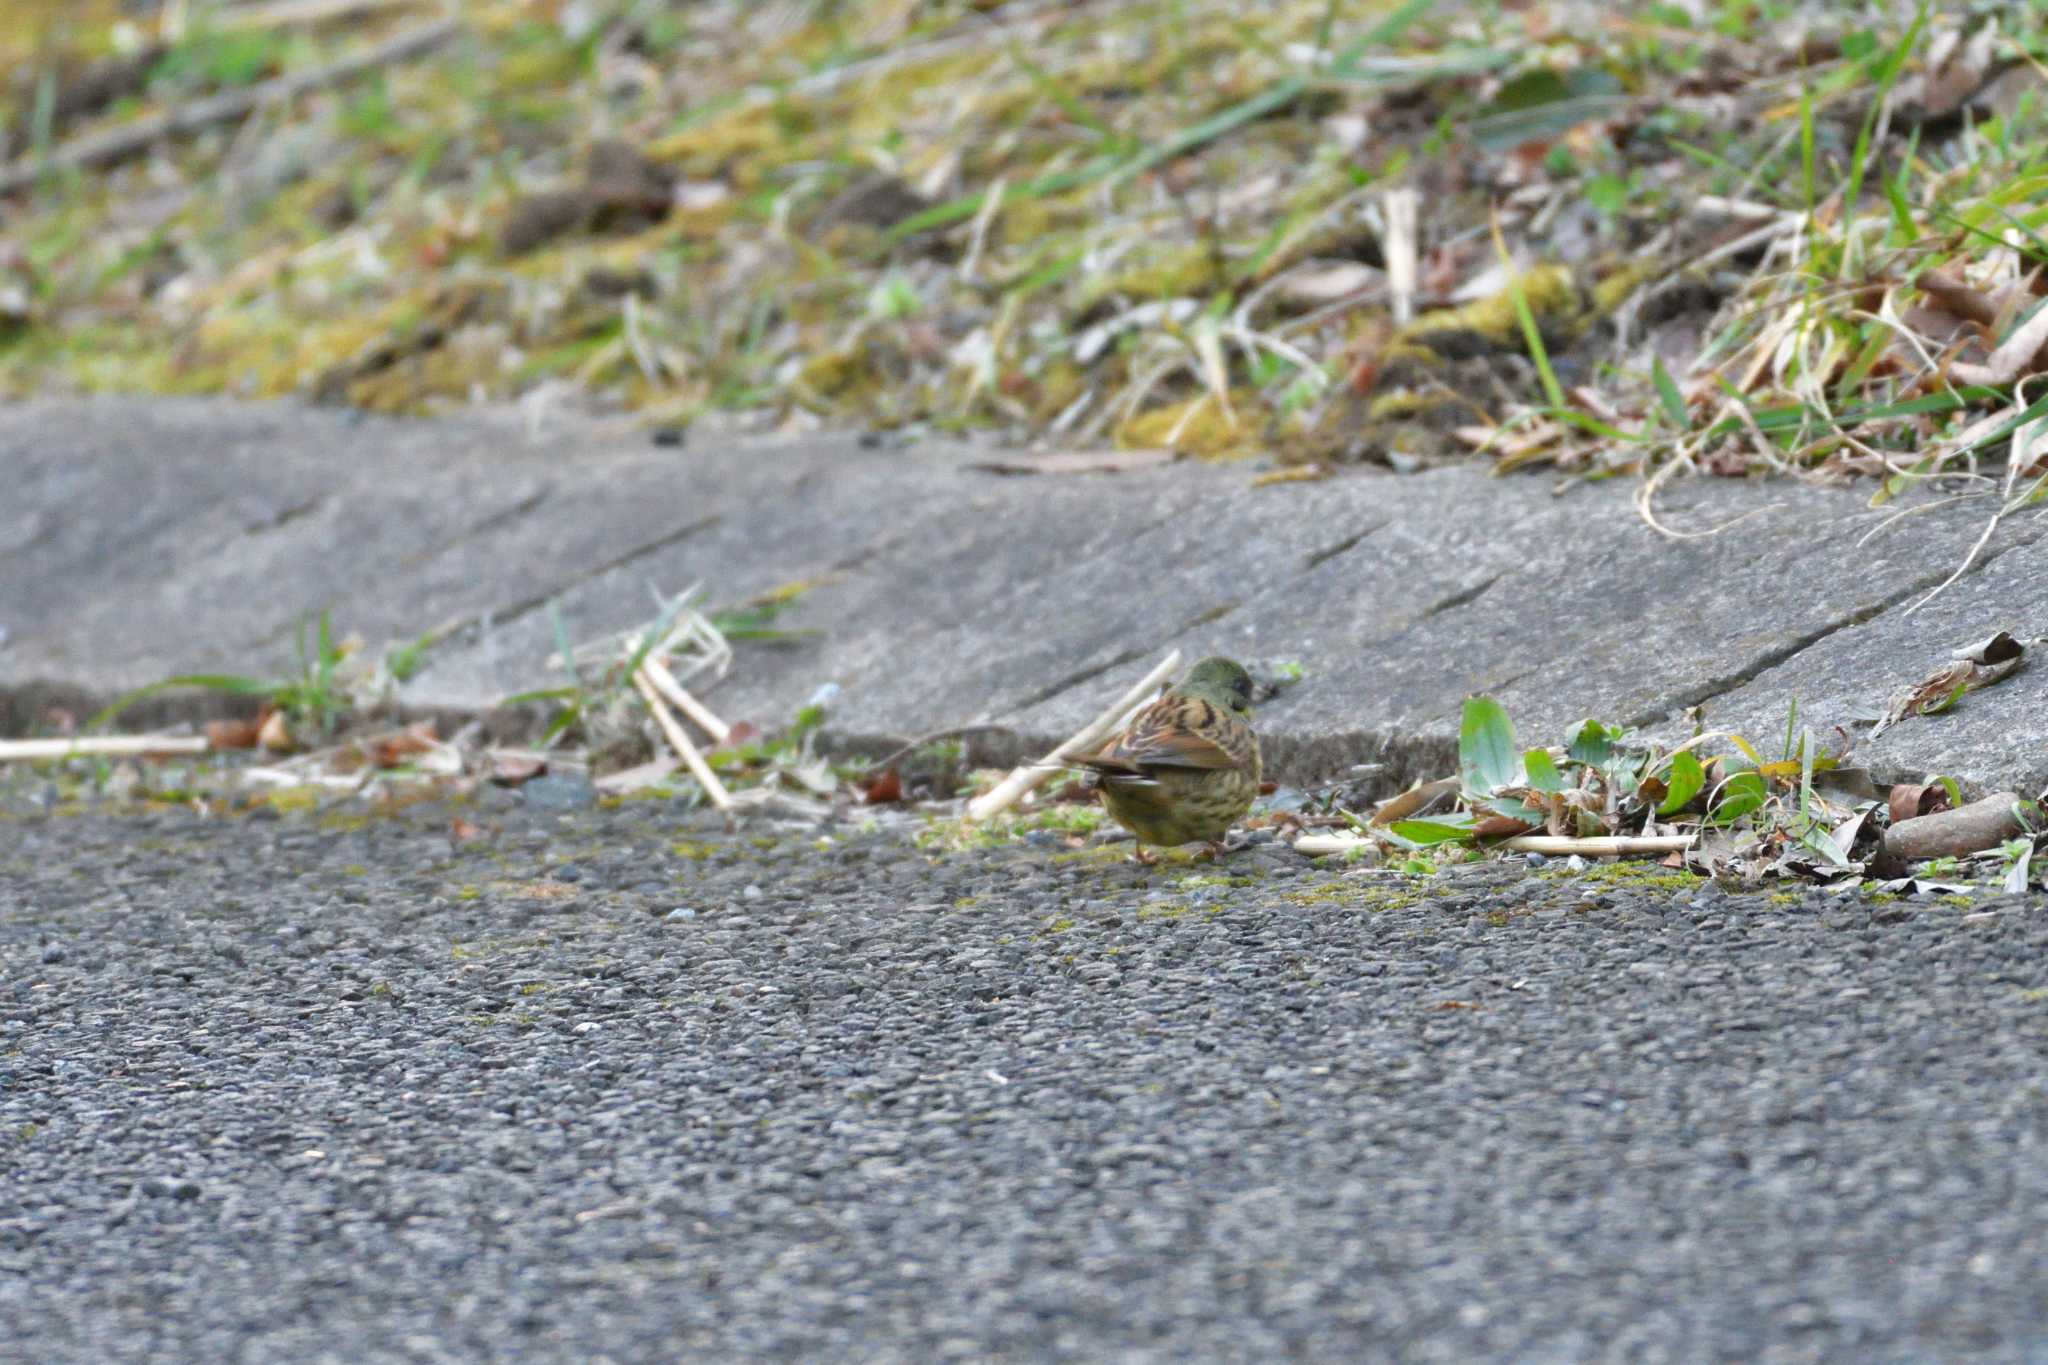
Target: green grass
1056	170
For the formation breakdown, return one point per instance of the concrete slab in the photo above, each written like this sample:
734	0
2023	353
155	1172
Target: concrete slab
142	538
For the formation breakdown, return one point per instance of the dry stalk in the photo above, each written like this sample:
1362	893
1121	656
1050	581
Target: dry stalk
680	742
1550	845
1033	775
665	683
105	745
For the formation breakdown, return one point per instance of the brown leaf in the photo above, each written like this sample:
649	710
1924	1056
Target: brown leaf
275	734
462	831
1906	800
233	734
1969	668
882	788
1998	649
392	750
1960	297
740	732
1496	826
1414	801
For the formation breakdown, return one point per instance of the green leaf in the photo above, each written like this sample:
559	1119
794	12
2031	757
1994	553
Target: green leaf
231	684
1740	795
1542	771
1514	810
650	637
1444	829
1593	745
1686	779
565	648
1941	704
1486	748
1667	392
539	694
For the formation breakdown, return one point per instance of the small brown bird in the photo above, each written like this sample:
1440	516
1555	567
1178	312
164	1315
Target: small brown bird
1187	765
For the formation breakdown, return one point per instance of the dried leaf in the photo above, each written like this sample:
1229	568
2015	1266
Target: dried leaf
1906	800
233	734
739	733
1301	473
1414	801
638	778
513	769
1998	649
275	734
883	787
1313	286
1971	667
392	750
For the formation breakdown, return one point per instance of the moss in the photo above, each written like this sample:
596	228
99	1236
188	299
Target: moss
1636	873
1494	324
1613	290
1163	912
290	799
1192	270
1198	426
1107	855
695	851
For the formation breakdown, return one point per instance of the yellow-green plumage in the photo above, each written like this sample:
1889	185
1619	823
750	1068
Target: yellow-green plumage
1186	767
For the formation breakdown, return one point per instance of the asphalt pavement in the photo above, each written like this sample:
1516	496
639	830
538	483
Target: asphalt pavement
612	1086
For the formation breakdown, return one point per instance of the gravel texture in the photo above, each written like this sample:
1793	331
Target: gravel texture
608	1086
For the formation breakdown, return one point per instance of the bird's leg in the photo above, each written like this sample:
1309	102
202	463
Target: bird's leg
1141	857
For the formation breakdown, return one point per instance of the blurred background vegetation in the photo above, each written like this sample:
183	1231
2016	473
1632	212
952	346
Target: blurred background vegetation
1603	237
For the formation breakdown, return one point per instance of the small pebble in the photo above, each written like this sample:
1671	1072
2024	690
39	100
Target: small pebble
681	912
751	892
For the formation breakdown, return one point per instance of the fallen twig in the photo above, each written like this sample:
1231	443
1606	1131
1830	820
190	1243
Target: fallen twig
680	741
131	139
108	745
1033	775
1552	845
665	683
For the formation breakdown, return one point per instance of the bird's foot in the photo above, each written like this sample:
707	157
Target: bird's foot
1221	848
1143	858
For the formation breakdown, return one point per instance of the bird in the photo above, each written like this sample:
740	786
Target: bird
1185	766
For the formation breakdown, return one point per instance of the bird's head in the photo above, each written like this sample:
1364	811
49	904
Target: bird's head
1221	682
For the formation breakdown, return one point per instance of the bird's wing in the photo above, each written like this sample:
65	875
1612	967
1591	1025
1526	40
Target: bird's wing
1182	732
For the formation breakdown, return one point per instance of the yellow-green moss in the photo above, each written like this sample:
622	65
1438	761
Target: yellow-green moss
1198	426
